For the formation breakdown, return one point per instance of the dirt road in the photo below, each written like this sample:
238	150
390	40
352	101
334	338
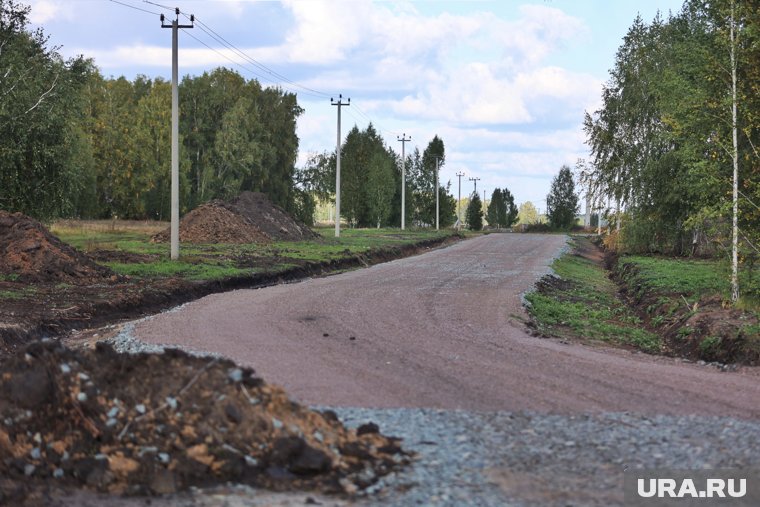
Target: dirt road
437	330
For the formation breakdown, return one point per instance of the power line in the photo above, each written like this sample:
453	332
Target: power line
244	67
135	8
218	38
221	40
170	9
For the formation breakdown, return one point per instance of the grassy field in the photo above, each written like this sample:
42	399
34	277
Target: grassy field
679	306
583	304
216	261
694	278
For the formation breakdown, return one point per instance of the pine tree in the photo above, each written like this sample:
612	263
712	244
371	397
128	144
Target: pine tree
562	201
474	213
495	209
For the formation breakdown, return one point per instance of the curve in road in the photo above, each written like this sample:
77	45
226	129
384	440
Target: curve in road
436	330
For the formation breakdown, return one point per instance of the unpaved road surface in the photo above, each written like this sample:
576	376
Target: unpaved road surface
438	331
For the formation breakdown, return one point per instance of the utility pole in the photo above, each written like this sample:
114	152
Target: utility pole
437	207
175	26
403	139
340	104
459	201
475	180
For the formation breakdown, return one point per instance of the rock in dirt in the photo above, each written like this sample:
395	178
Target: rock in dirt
152	424
31	254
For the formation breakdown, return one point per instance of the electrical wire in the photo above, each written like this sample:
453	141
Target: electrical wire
135	8
291	85
221	40
172	9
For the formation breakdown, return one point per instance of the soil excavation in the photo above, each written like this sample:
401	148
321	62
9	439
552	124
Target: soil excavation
248	218
29	253
153	424
442	330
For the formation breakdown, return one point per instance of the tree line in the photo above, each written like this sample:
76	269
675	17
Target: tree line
370	173
74	143
662	144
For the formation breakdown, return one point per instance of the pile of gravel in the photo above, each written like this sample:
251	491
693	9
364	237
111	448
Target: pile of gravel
518	458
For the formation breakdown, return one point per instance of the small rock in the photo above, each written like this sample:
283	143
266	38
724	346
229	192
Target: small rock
235	375
29	469
233	413
172	402
35	453
368	428
58	473
65	368
163	457
140	408
163	482
82	397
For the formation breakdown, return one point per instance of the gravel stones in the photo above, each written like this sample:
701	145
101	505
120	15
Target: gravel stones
503	458
159	423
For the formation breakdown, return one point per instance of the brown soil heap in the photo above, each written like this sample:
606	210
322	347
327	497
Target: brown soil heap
277	223
160	423
249	218
31	253
214	223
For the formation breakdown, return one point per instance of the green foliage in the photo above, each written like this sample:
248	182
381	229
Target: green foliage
41	146
502	211
527	214
586	306
217	261
562	201
690	277
474	213
371	182
662	141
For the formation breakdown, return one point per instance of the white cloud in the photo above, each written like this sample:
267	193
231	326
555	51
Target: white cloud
46	10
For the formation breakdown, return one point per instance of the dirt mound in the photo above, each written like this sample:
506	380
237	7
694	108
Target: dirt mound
270	218
213	222
159	423
30	253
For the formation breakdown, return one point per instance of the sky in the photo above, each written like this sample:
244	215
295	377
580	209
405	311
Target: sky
503	83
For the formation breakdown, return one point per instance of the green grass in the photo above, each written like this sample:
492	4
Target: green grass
694	279
587	307
12	294
218	261
169	268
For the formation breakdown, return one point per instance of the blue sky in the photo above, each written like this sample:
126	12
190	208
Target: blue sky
504	83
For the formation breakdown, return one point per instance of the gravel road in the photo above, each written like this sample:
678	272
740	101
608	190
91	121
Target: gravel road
437	331
428	348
